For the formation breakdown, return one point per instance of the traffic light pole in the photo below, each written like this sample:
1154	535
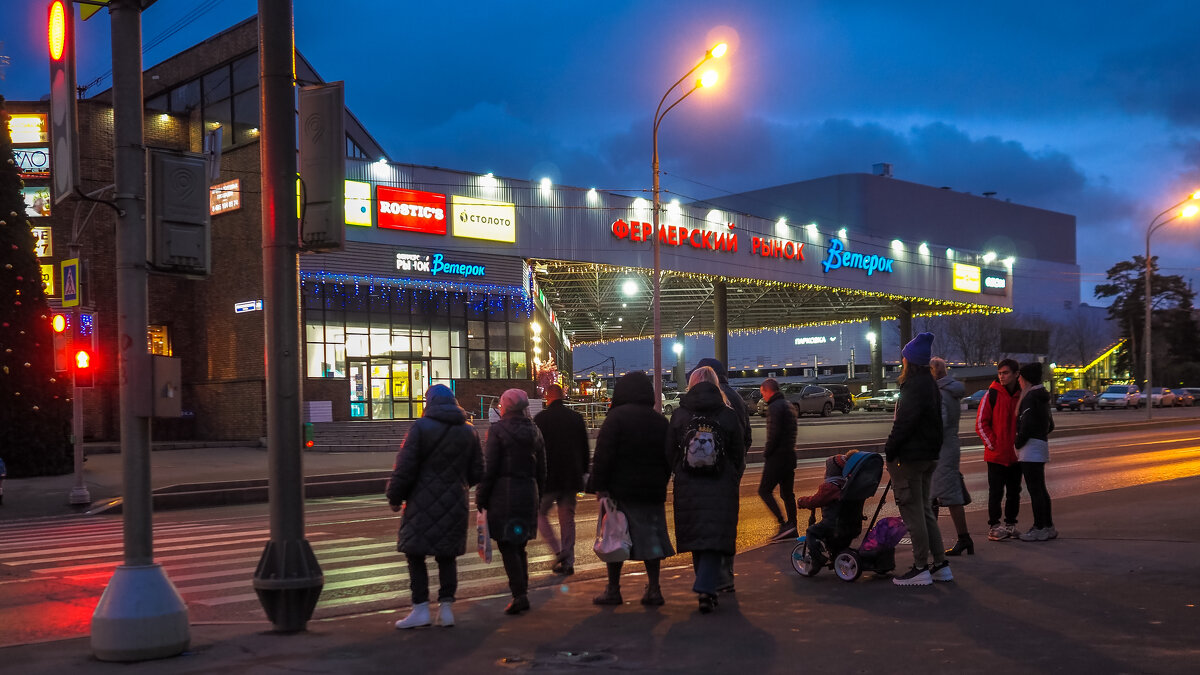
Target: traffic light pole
141	615
288	579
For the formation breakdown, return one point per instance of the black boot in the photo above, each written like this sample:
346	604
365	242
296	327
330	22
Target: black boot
964	543
610	596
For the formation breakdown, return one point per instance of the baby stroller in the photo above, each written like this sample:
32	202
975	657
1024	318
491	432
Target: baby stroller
825	546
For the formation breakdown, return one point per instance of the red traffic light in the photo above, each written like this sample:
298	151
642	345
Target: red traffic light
56	30
83	359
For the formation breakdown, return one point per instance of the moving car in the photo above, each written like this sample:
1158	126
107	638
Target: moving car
1119	396
1190	395
884	399
1076	399
974	399
805	399
842	398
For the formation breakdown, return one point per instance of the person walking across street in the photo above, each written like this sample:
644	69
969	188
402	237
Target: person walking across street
566	437
631	468
779	459
1034	424
726	585
513	476
911	452
996	425
438	463
948	487
704	449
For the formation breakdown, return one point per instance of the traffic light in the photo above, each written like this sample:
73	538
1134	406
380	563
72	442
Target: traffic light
308	435
85	367
59	324
64	155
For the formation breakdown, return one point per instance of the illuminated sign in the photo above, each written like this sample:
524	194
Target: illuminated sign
37	201
48	279
839	257
966	278
677	235
70	282
819	340
777	248
476	218
412	210
358	203
248	306
33	162
995	282
43	242
225	197
436	264
31	128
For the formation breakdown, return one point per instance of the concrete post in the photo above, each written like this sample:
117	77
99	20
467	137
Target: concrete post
140	615
877	353
720	324
905	317
288	579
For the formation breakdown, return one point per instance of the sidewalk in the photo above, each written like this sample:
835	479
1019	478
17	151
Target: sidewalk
1117	592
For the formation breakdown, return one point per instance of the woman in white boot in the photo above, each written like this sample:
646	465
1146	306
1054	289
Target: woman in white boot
440	460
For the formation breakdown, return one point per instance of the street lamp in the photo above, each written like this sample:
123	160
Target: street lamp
1186	212
708	79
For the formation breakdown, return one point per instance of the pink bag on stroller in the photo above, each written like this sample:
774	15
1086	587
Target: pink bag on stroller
884	536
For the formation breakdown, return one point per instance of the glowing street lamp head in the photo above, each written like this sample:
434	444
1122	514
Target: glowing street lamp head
709	78
719	50
1189	210
677	347
630	287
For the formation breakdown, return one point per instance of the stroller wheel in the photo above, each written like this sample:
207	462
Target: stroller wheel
847	565
802	562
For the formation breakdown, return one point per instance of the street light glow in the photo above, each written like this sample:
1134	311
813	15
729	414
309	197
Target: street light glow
709	78
1189	210
989	256
719	51
677	348
630	287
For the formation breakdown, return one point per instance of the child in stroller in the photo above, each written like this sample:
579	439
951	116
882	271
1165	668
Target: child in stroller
850	479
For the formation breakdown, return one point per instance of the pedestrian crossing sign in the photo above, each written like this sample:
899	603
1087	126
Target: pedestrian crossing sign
70	282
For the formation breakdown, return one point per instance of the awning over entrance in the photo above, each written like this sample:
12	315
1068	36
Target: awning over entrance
605	303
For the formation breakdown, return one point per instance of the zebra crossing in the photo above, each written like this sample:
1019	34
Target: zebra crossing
212	562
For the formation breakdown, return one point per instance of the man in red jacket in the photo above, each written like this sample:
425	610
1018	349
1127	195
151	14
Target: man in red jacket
996	425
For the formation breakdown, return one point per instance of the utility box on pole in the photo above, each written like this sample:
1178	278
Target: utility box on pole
323	167
177	206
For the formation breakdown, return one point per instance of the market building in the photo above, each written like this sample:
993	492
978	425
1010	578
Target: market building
477	281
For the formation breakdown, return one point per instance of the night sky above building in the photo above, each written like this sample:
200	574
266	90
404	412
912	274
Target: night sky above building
1090	109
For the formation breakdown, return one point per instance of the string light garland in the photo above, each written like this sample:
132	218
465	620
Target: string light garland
354	290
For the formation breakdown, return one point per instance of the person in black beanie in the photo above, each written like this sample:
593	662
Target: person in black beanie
1034	425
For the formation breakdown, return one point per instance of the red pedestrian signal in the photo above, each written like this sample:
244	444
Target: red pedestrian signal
84	368
58	323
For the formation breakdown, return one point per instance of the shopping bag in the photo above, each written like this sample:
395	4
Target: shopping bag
612	533
483	539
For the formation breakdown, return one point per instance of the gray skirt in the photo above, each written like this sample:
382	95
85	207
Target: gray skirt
647	530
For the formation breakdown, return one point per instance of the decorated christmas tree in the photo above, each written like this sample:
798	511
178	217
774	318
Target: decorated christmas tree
35	409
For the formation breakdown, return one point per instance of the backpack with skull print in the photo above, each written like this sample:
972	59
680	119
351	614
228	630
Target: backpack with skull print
703	446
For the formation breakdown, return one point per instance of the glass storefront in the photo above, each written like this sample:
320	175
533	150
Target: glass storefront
391	343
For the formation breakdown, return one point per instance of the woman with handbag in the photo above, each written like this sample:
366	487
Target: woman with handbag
947	486
513	477
705	450
630	468
437	465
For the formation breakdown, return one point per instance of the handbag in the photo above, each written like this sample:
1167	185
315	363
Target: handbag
483	539
612	533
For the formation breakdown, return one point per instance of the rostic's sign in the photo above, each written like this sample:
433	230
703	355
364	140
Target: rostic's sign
411	210
966	278
477	218
839	257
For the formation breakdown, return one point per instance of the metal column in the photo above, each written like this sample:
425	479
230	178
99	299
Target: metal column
720	324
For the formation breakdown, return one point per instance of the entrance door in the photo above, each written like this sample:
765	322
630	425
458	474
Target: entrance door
360	402
381	389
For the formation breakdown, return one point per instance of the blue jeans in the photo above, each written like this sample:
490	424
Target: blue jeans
707	566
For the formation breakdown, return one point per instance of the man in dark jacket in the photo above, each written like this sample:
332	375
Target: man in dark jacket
779	458
566	438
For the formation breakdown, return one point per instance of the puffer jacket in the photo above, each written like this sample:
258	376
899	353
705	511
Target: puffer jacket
706	506
629	463
1034	424
513	478
735	399
917	429
996	425
439	461
780	449
946	485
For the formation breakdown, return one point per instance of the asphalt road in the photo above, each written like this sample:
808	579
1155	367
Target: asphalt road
52	571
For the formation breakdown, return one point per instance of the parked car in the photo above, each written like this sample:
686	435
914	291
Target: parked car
884	399
1076	399
1192	392
1185	397
805	399
842	398
751	395
670	401
1160	397
974	399
1119	396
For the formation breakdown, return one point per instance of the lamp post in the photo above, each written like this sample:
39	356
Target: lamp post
1187	212
709	79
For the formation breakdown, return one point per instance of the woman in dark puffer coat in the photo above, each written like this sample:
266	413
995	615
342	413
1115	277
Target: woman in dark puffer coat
706	505
513	477
438	463
630	466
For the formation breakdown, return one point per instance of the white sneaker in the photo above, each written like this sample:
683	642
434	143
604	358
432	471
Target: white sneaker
445	617
914	577
941	571
417	618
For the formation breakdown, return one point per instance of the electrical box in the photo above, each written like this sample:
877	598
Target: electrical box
167	396
323	167
177	210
